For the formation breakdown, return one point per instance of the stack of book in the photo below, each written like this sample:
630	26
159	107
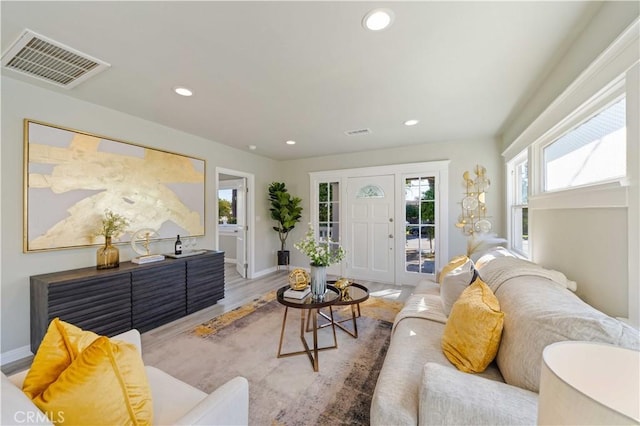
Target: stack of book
296	294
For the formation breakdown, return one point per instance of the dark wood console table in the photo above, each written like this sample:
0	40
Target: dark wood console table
112	301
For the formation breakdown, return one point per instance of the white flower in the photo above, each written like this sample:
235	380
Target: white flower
322	253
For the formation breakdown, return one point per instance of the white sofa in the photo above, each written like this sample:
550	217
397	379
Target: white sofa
418	384
174	402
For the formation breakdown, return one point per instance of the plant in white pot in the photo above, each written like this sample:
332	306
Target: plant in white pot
321	254
286	211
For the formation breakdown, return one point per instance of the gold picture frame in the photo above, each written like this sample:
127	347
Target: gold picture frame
71	177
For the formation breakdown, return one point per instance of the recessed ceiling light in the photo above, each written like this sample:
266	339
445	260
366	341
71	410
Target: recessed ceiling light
411	122
252	147
290	142
183	91
377	19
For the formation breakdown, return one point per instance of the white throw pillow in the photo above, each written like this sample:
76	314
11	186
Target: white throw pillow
454	283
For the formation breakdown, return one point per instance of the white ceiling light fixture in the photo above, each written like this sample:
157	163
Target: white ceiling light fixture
377	19
183	91
290	142
252	147
411	122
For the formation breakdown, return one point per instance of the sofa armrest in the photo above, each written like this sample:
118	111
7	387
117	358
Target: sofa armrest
17	408
132	336
227	405
451	397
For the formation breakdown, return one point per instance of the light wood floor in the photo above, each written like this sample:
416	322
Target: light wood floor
238	291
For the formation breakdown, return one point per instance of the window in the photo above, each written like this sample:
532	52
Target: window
227	206
329	213
518	170
592	152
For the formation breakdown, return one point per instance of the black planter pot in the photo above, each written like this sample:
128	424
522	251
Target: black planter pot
283	257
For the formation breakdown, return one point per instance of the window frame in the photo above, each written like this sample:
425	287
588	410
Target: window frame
514	202
593	106
591	110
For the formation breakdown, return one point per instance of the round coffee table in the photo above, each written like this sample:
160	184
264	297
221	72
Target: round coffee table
308	304
352	296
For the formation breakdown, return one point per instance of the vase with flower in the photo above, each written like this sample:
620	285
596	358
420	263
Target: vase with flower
321	254
112	225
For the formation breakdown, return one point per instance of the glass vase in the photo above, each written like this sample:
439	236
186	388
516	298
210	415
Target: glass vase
108	256
318	282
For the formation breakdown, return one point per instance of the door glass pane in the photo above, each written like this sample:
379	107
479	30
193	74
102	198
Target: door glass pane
420	220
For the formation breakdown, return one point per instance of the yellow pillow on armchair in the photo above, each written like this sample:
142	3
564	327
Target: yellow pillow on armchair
62	343
472	334
105	385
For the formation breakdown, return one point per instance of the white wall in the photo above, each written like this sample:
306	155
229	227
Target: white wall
19	101
464	155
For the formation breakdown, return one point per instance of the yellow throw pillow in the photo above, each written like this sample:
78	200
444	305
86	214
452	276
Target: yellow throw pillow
105	385
61	344
472	334
454	263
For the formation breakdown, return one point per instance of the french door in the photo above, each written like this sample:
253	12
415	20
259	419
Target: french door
391	220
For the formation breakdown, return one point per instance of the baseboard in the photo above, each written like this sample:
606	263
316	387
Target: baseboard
15	355
264	272
227	260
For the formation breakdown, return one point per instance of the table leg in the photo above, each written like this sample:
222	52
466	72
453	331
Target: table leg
312	354
353	317
284	321
315	341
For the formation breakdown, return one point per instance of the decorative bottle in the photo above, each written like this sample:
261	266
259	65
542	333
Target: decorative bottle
108	256
178	246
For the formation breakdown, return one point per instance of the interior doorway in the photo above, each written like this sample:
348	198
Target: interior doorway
235	219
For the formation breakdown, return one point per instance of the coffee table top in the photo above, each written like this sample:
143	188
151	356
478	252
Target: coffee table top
357	292
331	297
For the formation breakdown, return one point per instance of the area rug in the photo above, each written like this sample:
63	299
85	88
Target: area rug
284	391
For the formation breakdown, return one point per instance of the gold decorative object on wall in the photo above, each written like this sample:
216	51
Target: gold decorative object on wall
299	279
71	177
473	219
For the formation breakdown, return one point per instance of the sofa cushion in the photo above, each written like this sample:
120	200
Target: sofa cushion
538	313
60	346
454	283
106	384
450	397
171	397
472	333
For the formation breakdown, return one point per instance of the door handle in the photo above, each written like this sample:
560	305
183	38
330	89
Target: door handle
390	235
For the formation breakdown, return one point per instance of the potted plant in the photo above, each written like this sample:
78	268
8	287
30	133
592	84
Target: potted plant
286	211
321	255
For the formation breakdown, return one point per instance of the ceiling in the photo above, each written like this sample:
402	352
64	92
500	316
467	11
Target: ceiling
267	72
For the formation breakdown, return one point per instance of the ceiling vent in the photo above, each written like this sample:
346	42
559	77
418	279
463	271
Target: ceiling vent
48	60
358	132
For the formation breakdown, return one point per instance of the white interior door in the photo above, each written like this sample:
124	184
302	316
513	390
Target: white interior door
370	226
241	211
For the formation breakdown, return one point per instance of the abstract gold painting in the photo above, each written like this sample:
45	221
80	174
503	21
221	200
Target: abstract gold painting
72	177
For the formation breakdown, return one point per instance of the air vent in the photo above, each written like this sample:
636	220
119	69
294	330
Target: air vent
48	60
357	132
